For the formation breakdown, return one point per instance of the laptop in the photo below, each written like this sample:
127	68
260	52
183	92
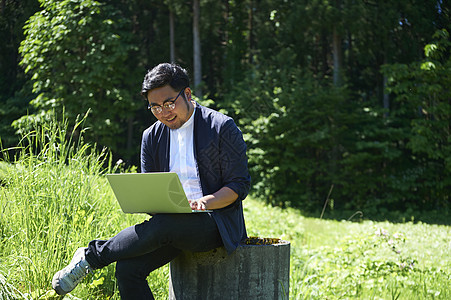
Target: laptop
160	192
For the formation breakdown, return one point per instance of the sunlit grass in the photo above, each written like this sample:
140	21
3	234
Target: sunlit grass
342	260
54	198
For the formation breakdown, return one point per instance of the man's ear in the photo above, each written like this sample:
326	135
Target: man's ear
188	94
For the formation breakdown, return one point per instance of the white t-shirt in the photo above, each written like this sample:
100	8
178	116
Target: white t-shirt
181	159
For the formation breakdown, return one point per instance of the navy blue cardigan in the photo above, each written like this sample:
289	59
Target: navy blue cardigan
220	152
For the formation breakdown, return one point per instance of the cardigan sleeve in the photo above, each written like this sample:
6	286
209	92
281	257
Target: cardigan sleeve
233	159
147	159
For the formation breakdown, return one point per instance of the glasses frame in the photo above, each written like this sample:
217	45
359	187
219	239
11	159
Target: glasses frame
168	105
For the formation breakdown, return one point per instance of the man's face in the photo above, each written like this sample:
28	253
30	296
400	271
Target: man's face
183	110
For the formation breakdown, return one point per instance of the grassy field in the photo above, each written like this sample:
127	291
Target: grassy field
54	198
367	260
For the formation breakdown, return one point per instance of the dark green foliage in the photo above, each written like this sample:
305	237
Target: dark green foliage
379	138
305	135
77	52
15	89
423	97
297	133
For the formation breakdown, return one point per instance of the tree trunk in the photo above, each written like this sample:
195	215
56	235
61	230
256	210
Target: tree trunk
386	96
337	56
171	36
251	32
337	49
196	49
260	271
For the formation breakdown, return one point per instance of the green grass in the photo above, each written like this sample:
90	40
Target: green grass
367	260
54	198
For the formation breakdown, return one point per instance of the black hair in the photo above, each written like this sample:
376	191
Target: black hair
164	74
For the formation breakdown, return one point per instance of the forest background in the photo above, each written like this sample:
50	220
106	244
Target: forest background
345	105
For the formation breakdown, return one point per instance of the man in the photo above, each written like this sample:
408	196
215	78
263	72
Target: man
206	149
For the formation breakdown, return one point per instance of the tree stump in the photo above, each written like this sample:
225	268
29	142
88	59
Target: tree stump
259	269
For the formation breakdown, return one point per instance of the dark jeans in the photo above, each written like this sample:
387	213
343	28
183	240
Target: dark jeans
142	248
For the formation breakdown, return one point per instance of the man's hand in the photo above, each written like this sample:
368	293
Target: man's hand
198	204
225	196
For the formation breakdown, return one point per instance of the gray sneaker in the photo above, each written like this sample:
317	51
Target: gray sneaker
67	279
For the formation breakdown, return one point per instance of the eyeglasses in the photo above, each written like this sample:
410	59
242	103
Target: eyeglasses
168	105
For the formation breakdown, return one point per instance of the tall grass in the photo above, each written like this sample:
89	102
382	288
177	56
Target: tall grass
54	198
